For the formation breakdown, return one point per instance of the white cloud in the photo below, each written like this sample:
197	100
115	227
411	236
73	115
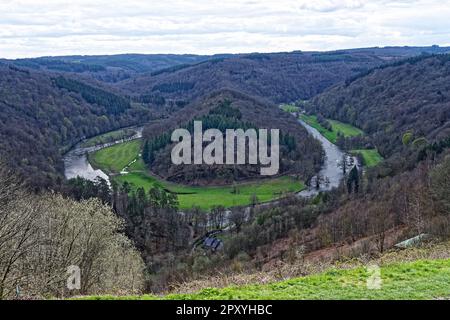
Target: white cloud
35	28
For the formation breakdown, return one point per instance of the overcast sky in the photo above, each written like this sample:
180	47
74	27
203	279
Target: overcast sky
30	28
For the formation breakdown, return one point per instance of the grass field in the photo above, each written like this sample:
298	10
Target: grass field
289	107
108	137
345	129
371	157
422	279
209	196
114	159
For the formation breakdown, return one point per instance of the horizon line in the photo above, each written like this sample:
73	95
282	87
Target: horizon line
443	46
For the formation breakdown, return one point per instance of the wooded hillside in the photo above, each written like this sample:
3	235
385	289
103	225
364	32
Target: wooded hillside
43	115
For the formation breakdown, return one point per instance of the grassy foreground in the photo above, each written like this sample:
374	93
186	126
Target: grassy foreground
115	158
371	157
422	279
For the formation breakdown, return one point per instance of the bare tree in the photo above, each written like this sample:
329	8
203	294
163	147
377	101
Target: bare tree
41	236
237	217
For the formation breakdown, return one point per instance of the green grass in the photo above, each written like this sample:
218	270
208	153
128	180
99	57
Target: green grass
108	137
113	159
422	279
209	196
371	157
345	129
289	108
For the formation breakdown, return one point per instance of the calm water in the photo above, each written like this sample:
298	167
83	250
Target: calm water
331	170
77	164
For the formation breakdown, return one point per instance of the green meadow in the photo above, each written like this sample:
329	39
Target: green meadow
108	137
345	129
208	196
289	108
418	280
371	157
115	158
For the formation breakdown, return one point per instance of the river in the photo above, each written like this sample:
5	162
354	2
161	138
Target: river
76	162
331	170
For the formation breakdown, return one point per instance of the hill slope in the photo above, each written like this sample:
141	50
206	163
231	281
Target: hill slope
41	115
427	279
410	97
279	77
418	280
109	68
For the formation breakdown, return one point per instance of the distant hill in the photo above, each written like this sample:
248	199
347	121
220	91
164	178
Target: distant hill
279	77
407	102
110	68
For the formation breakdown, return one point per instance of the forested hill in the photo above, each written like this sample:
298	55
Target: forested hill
406	104
42	114
110	68
280	77
226	109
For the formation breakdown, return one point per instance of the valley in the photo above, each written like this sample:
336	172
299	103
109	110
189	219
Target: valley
122	162
364	165
114	161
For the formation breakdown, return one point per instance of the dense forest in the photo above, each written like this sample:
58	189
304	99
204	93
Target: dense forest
279	77
110	68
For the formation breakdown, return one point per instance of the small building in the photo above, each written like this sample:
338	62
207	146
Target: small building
212	244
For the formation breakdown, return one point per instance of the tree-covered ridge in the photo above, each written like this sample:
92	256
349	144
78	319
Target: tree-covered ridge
402	107
59	65
113	104
221	117
278	77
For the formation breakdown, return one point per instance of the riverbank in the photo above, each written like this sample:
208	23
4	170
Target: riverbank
113	161
76	162
370	157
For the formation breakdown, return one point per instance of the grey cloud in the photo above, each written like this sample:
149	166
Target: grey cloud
29	27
